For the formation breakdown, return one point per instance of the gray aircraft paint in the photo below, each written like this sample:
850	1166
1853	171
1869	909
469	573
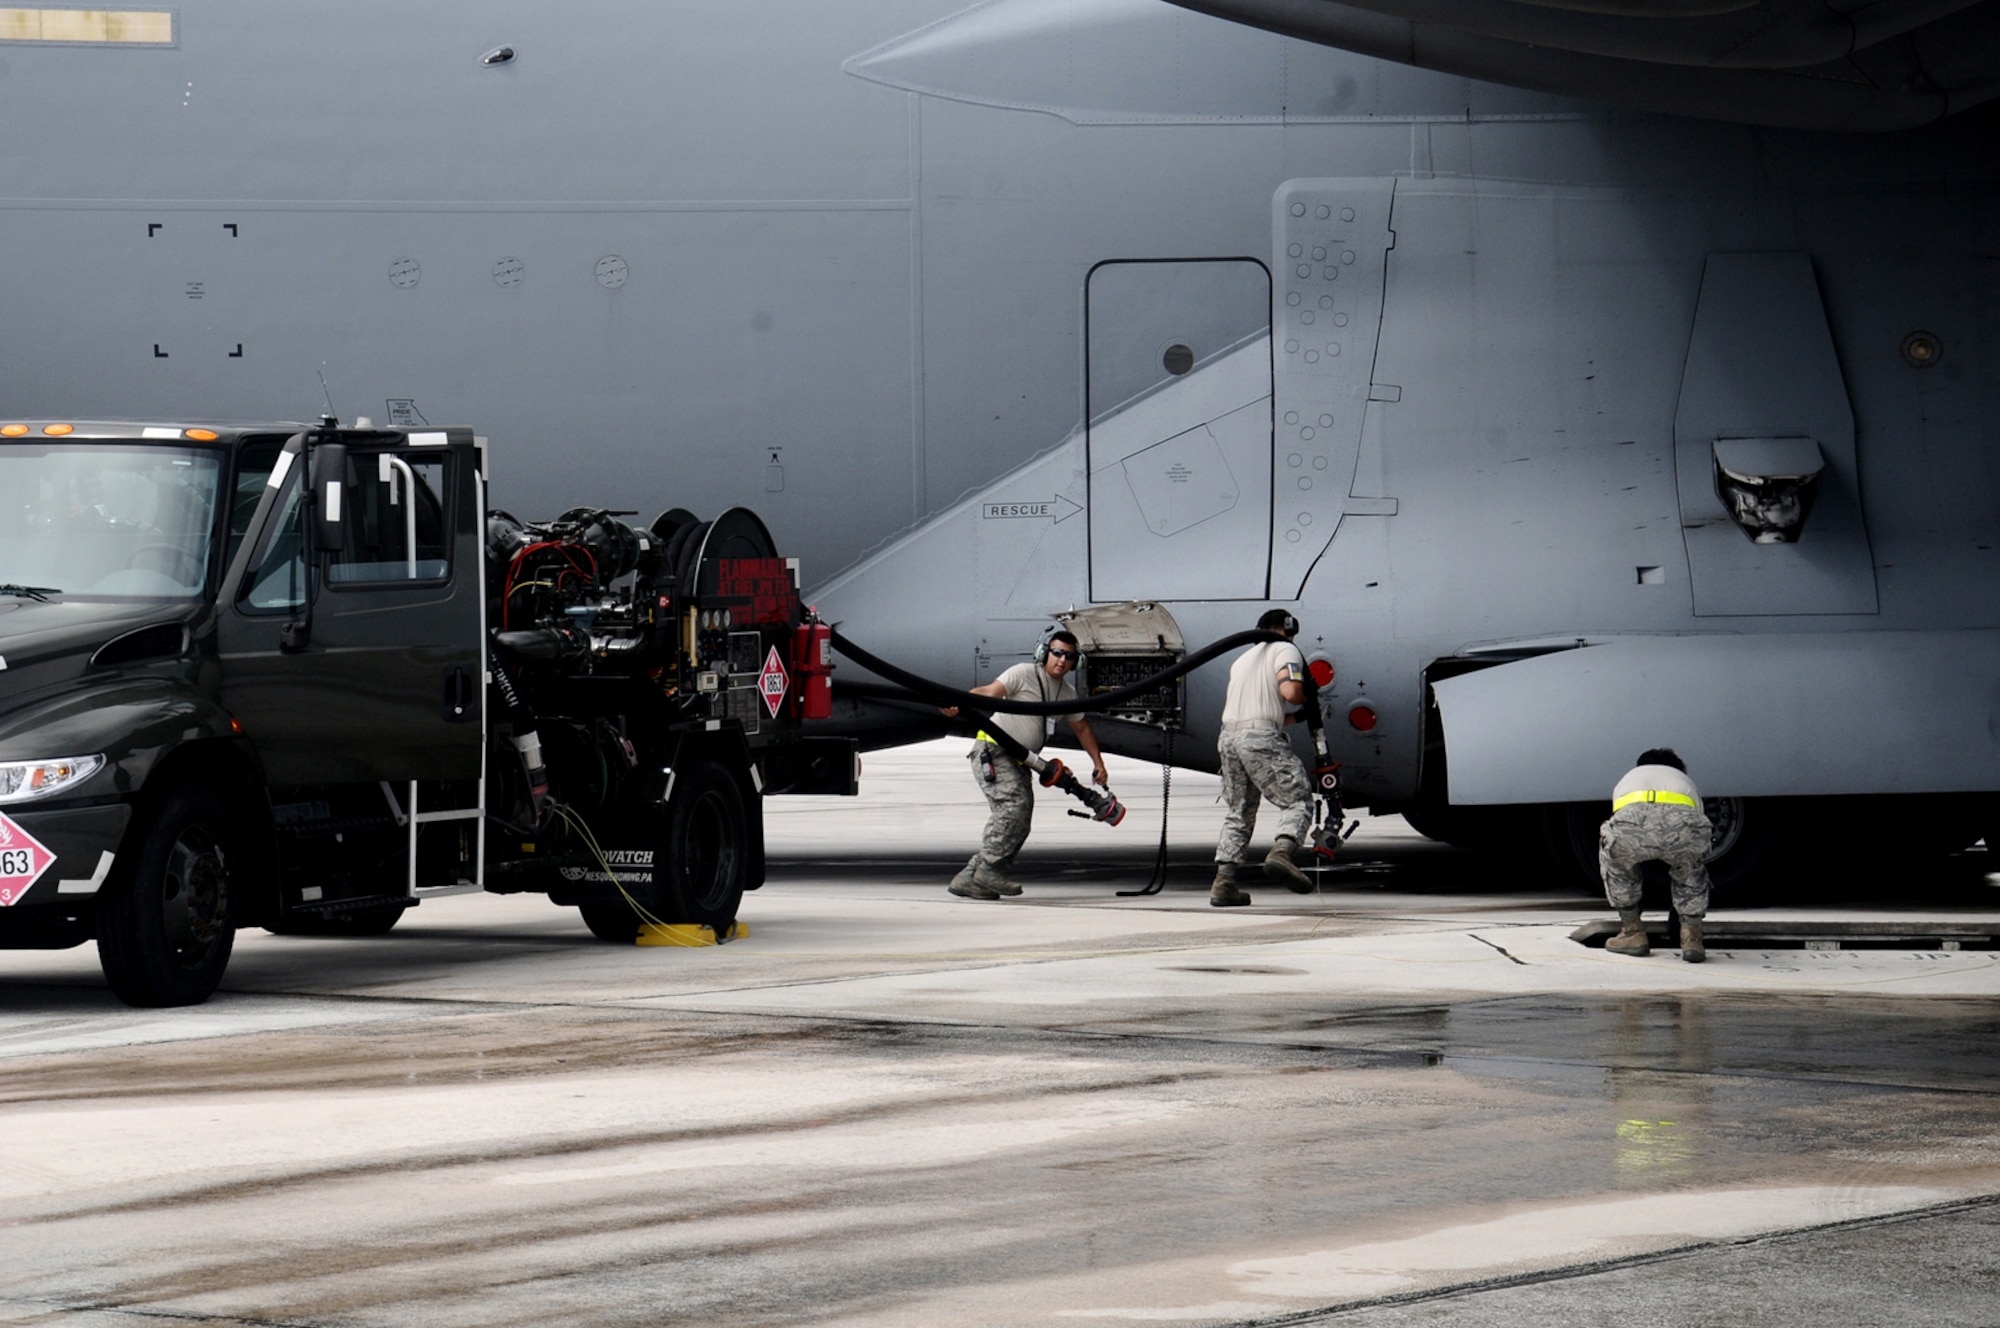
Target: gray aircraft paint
854	251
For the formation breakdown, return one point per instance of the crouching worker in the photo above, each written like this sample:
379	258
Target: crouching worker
1656	816
1007	784
1258	762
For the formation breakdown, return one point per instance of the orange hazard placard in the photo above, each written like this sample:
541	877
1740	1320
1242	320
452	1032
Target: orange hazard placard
773	681
23	859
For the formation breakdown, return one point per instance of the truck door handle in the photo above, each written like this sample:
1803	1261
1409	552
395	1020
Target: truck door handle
458	705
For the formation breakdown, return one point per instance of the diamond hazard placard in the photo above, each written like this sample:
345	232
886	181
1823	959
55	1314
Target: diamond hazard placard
22	861
773	681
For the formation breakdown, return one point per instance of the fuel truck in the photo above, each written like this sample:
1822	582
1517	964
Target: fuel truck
300	677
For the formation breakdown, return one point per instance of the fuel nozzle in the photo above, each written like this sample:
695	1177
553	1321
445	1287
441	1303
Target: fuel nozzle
1103	803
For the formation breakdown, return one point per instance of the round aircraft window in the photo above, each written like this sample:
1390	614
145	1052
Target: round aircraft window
1178	359
1921	350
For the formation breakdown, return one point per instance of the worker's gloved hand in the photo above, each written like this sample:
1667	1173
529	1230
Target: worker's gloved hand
1100	776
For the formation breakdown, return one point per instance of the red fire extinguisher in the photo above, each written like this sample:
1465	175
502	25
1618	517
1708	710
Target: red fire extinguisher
812	666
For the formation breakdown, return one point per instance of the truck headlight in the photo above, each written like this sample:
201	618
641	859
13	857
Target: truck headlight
23	780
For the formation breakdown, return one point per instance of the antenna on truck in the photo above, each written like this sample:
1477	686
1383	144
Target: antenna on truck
332	417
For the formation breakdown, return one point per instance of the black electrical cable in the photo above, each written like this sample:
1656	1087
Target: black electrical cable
1158	880
940	694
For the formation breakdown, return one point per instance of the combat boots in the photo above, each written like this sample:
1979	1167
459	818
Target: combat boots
1224	894
1631	937
988	877
965	887
1692	949
1278	866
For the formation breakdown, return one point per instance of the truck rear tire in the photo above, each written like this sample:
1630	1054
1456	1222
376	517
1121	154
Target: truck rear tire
164	933
614	922
704	862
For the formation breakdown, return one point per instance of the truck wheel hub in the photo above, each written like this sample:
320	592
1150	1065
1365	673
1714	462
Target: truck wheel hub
197	891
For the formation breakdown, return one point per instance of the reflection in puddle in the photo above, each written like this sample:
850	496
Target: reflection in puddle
1652	1153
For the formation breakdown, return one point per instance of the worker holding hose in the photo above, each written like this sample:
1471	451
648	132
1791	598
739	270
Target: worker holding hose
1010	792
1258	762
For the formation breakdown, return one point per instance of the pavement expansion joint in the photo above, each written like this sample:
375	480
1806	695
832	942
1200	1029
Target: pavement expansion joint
1599	1267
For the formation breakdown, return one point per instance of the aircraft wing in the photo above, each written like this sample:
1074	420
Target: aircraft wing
1801	64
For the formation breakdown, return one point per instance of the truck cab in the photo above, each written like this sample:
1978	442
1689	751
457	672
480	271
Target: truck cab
182	704
292	676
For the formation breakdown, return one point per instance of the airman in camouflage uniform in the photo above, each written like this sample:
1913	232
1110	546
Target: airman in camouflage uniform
1260	763
1656	817
1257	761
1010	793
1010	811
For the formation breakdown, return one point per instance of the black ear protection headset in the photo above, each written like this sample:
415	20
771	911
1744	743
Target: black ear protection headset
1278	620
1048	639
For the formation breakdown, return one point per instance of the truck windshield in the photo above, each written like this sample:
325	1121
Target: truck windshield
108	521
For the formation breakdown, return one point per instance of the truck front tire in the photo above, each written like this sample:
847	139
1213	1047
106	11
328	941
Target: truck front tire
164	932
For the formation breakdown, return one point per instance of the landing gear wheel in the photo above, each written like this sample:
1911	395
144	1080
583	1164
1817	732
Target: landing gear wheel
1480	829
704	862
1569	835
1743	850
164	932
615	922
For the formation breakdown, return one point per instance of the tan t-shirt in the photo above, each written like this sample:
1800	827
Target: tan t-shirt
1253	684
1029	681
1663	778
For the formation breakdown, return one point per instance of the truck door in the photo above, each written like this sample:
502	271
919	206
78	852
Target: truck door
388	684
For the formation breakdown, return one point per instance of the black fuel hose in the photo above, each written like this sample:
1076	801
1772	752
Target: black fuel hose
503	678
1315	717
939	694
968	721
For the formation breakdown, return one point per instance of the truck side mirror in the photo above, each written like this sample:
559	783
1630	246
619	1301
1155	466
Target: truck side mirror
329	481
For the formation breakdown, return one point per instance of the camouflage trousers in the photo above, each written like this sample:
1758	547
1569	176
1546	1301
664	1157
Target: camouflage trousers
1257	764
1010	804
1656	832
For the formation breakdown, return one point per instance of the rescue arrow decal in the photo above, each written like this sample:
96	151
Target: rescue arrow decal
1057	509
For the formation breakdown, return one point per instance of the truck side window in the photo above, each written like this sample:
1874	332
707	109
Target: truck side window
253	468
396	527
278	584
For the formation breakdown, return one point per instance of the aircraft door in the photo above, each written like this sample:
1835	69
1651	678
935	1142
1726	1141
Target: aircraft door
1178	417
389	685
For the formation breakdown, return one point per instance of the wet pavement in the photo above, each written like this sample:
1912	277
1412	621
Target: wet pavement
1408	1099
